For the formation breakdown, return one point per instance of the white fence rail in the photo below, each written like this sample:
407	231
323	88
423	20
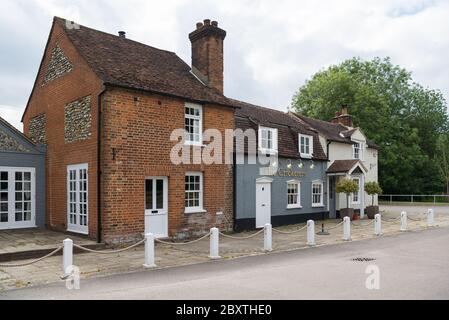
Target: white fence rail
414	198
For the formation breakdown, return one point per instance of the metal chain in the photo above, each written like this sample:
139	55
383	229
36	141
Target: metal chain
31	262
290	232
182	243
241	238
110	252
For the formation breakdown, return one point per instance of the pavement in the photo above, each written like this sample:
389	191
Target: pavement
411	265
93	265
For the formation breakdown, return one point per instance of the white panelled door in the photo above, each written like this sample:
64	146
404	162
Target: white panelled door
77	199
17	198
263	202
156	206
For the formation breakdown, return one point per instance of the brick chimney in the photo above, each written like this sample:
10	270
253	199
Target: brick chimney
207	53
343	117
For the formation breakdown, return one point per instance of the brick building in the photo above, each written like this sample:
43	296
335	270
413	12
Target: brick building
106	106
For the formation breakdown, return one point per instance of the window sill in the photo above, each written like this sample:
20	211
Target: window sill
194	211
194	144
268	151
317	205
291	207
306	156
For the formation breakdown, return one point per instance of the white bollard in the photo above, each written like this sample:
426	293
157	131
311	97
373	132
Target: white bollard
268	238
430	218
347	229
311	233
404	221
67	256
378	225
214	244
149	251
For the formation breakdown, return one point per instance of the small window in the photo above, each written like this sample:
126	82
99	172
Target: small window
317	194
293	194
356	196
194	124
194	192
358	151
268	140
306	146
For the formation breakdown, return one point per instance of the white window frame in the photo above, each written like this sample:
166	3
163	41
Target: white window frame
200	208
200	125
77	227
360	148
321	204
357	199
274	137
306	155
298	204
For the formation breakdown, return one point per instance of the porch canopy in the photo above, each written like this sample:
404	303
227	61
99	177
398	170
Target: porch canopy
344	167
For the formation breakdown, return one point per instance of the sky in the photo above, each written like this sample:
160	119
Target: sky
272	47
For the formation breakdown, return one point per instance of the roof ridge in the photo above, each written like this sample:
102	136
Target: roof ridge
62	20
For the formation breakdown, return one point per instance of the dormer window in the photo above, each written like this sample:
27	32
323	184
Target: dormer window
306	146
268	140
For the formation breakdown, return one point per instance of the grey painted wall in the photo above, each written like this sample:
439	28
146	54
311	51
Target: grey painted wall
245	183
35	158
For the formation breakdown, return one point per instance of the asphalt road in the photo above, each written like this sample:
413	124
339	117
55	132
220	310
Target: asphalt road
412	265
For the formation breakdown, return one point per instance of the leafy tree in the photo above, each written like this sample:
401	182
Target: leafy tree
373	188
348	187
442	159
401	116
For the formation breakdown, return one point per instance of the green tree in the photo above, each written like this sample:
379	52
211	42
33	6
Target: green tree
372	188
348	187
442	159
401	116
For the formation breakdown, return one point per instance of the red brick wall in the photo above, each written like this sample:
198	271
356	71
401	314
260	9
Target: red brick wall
51	100
140	132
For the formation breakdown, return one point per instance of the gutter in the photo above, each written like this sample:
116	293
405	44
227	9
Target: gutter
329	142
99	173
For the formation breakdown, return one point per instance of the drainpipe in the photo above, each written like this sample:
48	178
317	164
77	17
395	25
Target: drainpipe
328	148
99	173
234	193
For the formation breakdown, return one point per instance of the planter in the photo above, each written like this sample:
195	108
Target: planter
356	216
347	213
371	211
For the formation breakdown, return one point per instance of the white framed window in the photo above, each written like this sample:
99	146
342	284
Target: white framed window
268	140
358	150
306	146
356	196
293	194
194	192
77	198
194	124
317	194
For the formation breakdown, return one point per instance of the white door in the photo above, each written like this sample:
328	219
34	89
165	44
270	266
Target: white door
156	206
77	199
263	204
17	198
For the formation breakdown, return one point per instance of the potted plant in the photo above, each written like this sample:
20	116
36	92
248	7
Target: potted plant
372	188
348	187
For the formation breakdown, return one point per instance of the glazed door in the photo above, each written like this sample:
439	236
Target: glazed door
17	198
263	204
156	206
77	199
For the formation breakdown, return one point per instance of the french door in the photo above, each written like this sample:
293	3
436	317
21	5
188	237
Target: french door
17	198
156	206
77	199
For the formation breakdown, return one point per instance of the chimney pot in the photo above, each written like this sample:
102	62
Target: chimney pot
199	25
215	23
122	34
207	22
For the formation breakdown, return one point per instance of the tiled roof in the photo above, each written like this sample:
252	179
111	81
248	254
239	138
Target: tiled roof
249	116
126	63
333	131
343	166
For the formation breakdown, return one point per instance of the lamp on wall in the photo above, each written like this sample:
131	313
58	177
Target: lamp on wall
312	166
289	166
301	165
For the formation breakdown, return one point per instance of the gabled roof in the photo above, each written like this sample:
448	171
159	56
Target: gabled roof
250	116
125	63
333	131
346	166
19	142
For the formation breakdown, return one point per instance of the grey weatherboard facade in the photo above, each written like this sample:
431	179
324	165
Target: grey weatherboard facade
245	193
19	152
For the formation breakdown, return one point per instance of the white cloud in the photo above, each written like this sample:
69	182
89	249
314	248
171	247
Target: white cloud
12	115
272	47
